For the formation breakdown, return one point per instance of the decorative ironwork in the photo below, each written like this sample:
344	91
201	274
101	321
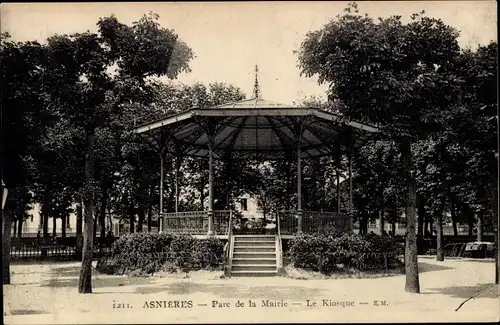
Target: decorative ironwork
221	221
312	221
288	222
189	223
195	222
256	88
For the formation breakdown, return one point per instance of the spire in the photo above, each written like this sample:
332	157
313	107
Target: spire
256	88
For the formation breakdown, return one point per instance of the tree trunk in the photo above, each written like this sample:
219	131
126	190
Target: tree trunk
470	223
64	224
150	216
79	219
439	237
453	212
142	214
337	176
54	227
14	228
479	226
6	238
20	222
412	283
381	224
428	226
85	281
131	219
79	224
102	212
393	228
94	232
45	216
421	215
363	225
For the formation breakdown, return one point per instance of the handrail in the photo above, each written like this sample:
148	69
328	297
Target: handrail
229	235
278	224
230	225
279	262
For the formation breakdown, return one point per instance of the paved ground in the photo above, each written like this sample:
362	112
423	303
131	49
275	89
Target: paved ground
47	293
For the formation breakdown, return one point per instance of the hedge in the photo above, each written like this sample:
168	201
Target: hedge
338	252
147	253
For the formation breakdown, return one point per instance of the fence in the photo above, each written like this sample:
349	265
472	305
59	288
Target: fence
462	230
52	252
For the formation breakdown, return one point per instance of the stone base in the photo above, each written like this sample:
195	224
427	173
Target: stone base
227	271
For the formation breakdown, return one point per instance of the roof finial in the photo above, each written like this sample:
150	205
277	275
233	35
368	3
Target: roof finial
256	88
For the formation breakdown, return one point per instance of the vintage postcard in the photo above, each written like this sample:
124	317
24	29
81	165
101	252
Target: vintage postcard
249	162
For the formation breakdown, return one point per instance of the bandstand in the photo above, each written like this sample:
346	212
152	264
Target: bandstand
250	127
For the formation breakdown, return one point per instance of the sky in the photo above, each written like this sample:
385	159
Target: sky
229	39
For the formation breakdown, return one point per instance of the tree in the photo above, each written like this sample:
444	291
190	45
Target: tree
434	175
22	115
475	127
93	97
397	76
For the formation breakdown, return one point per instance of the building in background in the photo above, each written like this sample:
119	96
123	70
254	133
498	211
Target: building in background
247	205
34	223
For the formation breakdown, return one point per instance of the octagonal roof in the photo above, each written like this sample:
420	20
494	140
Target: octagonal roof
256	127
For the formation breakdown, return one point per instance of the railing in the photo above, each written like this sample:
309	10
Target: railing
57	252
188	223
312	221
229	253
279	257
221	222
195	222
288	222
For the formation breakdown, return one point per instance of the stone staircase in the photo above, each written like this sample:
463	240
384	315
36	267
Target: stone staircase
254	256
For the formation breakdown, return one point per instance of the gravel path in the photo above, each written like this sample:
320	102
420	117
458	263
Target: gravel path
47	293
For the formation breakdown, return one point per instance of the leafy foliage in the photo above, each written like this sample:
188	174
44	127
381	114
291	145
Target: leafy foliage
329	254
149	253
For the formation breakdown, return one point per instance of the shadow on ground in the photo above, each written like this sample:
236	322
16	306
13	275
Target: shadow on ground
38	261
67	277
98	282
464	292
427	267
71	276
27	312
231	291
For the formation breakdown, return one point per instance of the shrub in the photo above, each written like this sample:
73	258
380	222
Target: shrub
146	253
209	252
140	251
331	253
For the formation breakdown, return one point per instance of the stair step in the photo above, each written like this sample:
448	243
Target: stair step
263	249
254	243
254	255
253	267
253	261
254	238
253	273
